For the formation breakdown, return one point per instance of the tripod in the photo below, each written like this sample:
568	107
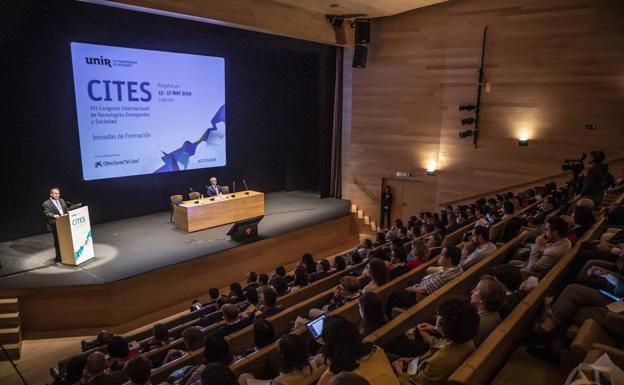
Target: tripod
13	363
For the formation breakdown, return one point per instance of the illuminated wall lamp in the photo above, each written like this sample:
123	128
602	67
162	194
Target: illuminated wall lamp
523	142
431	171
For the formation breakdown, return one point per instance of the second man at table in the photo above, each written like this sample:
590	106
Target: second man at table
213	188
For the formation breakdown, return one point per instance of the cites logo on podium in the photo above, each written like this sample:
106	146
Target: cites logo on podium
77	221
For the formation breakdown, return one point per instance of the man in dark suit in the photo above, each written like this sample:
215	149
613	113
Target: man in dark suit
386	206
52	209
233	322
214	189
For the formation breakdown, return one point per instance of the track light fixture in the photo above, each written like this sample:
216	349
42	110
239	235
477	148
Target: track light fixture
465	134
467	121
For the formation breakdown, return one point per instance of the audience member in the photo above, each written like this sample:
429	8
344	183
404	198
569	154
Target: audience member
418	255
269	303
398	263
233	322
547	249
280	285
308	263
138	370
251	280
160	337
322	270
377	271
74	371
449	268
348	290
487	297
301	278
372	313
458	323
477	248
345	352
95	370
294	361
339	263
236	293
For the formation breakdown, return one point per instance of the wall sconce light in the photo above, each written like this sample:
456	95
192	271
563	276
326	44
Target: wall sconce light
523	142
431	172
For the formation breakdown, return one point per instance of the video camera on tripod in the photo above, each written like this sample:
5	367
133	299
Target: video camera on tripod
574	165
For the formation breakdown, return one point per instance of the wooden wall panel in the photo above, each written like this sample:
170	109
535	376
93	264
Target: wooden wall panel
553	67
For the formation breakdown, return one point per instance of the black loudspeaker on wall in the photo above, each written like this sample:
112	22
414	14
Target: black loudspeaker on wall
362	31
359	56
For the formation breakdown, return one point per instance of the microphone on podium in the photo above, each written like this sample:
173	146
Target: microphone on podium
246	188
234	186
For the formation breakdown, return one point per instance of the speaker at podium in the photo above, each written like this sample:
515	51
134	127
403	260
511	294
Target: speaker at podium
75	236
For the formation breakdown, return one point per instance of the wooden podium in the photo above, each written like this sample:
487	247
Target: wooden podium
75	236
200	214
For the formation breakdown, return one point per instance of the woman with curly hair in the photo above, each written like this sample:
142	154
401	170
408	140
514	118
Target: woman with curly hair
458	323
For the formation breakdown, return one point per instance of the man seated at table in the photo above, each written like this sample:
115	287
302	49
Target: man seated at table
214	189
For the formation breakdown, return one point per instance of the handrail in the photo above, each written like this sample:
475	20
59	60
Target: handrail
371	195
517	185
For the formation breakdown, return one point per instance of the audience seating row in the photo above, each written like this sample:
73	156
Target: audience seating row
481	366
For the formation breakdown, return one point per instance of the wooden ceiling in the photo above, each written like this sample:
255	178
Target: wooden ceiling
302	19
371	8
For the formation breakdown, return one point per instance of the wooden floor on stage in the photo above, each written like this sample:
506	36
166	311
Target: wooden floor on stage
157	291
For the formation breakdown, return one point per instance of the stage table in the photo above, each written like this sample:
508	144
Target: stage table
200	214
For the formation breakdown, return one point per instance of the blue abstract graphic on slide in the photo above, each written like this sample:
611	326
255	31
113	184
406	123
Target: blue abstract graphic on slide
143	112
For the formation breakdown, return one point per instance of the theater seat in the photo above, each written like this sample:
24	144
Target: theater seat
597	350
588	334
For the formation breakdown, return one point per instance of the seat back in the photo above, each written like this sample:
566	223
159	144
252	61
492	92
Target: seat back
176	199
225	189
194	195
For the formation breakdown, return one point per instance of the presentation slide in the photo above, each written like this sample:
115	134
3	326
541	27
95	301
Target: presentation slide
144	112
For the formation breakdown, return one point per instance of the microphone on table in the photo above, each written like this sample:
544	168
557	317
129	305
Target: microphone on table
234	186
246	188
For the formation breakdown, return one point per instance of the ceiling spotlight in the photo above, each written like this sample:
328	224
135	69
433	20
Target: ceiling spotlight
467	121
467	107
465	134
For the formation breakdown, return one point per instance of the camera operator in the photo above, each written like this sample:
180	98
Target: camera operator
595	180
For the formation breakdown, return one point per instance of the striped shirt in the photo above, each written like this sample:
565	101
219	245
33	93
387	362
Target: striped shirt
434	281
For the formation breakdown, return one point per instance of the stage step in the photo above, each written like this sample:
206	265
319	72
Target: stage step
10	335
360	214
366	220
353	209
373	226
10	330
13	350
9	320
8	305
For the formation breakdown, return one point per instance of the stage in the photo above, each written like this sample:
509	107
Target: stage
134	246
